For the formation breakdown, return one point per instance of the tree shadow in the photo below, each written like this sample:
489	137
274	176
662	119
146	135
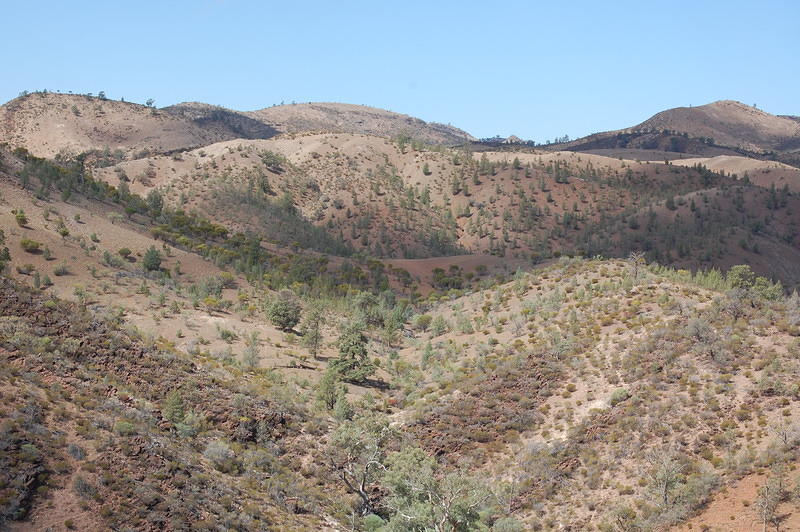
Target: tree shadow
374	383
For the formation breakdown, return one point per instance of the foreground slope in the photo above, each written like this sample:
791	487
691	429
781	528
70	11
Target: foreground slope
583	384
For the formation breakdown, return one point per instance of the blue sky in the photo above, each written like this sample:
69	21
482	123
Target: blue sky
534	69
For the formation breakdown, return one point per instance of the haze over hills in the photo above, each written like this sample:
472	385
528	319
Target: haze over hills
334	317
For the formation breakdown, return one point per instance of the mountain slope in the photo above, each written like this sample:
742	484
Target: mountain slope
47	124
720	128
347	118
730	123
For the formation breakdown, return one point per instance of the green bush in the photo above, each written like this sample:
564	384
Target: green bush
31	246
353	365
152	259
284	312
21	218
124	428
619	395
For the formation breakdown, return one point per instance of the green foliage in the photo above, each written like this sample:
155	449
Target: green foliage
353	364
343	410
151	261
439	326
423	321
740	276
21	218
251	355
155	202
619	395
356	451
31	246
5	255
312	328
284	311
174	409
423	498
124	428
330	389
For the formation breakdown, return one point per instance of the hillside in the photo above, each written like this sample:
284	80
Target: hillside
720	128
47	124
347	118
729	123
393	200
352	329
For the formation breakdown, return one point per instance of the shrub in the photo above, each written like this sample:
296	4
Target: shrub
124	428
439	326
61	270
31	246
221	455
353	364
173	409
284	312
152	259
423	321
21	218
619	395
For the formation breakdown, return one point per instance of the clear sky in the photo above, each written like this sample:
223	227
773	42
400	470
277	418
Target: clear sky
534	69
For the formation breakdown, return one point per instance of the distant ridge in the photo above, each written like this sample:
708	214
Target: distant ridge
47	124
720	128
348	118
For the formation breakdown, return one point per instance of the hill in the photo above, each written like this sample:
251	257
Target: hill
348	331
730	123
347	118
720	128
48	124
393	200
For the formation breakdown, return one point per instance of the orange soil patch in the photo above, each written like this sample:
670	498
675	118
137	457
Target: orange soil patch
733	510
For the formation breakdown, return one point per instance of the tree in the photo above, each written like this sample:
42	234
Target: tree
356	452
150	102
251	354
666	473
173	410
330	389
353	364
770	496
741	276
423	498
635	260
312	328
152	259
284	312
155	202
